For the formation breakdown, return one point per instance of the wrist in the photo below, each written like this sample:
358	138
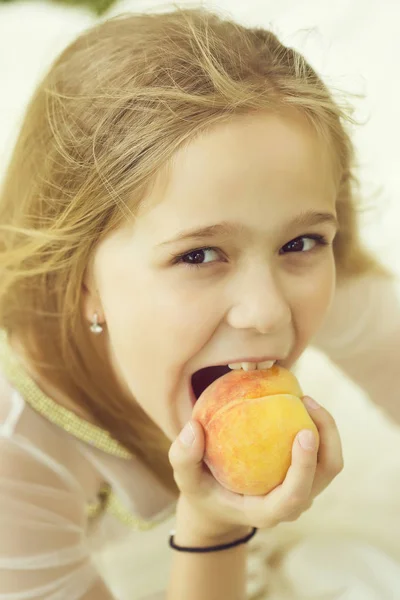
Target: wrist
197	529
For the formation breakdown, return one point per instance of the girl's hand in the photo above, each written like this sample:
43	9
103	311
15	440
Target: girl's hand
215	512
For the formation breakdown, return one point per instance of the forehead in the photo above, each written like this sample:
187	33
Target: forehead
264	156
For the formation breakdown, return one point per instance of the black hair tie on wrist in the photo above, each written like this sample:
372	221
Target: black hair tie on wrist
243	540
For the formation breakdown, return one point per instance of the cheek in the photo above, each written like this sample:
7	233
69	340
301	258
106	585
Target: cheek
313	299
153	324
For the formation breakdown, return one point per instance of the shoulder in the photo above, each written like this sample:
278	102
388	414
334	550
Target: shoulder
11	407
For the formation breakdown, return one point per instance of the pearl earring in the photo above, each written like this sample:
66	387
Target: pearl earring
95	327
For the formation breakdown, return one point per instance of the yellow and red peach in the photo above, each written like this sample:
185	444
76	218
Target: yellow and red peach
251	419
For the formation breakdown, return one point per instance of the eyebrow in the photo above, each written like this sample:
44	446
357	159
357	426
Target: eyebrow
227	228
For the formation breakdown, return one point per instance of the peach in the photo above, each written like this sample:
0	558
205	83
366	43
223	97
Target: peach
250	419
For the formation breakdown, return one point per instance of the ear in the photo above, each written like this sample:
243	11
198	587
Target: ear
91	302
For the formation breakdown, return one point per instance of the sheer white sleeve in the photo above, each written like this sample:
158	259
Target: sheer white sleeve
361	335
43	549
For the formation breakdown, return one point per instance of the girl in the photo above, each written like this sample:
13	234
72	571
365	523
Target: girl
181	196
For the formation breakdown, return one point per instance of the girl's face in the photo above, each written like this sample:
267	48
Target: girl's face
255	281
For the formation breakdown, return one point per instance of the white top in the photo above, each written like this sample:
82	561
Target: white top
49	486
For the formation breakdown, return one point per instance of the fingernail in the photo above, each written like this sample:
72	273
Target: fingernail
310	402
307	439
187	435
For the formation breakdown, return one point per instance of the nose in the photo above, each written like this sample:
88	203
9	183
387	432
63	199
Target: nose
259	302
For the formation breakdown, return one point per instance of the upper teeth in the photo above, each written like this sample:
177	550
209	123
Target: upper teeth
247	366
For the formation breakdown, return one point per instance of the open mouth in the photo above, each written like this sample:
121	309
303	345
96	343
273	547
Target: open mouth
204	377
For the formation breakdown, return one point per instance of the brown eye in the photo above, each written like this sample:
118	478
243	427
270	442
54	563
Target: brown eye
197	258
305	244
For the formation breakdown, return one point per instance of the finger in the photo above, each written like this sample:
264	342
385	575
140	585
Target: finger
186	457
294	494
330	454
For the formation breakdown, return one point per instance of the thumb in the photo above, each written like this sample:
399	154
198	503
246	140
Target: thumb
186	457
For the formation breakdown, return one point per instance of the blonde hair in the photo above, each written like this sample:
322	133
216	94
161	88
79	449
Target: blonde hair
110	113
